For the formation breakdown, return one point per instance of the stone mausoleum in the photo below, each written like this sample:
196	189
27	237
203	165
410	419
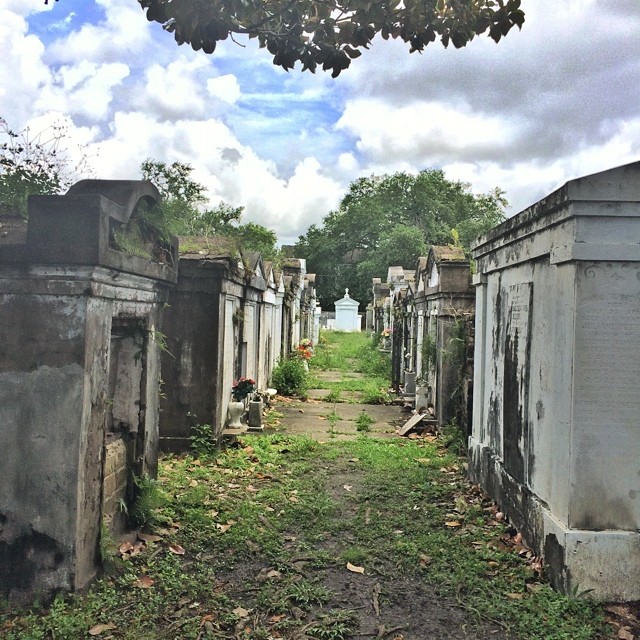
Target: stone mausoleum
556	417
79	380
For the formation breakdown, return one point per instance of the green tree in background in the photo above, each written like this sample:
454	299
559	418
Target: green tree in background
391	220
184	213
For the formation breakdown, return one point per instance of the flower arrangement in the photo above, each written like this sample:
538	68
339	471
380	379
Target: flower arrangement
242	388
305	349
387	332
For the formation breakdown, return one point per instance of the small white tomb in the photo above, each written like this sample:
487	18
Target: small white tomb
347	318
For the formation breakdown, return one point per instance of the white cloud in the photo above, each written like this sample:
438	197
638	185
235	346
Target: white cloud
23	72
225	88
425	130
125	32
174	92
558	100
85	89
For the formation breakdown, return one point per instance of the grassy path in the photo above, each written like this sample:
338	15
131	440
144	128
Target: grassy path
285	537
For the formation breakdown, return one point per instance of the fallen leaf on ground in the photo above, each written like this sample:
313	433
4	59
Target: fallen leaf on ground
177	549
278	618
125	547
293	499
347	487
241	612
100	628
515	596
148	537
144	582
355	569
453	523
536	586
425	560
193	483
625	634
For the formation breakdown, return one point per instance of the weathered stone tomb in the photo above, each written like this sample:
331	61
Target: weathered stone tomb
556	420
79	378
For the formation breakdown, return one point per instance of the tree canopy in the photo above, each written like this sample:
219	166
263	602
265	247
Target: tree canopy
391	220
328	34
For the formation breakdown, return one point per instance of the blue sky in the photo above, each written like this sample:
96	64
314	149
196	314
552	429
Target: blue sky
558	100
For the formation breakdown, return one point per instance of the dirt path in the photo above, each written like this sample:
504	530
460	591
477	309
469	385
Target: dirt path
387	603
383	602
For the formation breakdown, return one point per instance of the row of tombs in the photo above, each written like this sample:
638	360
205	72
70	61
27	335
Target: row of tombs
540	357
108	357
537	356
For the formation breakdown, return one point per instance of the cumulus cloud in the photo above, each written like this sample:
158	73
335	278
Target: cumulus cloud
85	89
526	112
558	100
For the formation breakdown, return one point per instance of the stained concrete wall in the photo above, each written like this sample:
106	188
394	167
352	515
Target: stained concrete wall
203	326
56	319
555	428
444	302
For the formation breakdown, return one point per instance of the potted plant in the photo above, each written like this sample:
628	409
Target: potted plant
240	390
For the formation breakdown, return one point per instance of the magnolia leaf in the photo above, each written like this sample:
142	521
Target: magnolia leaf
425	560
453	523
278	618
535	587
100	628
144	582
347	487
355	569
148	537
625	634
515	596
177	549
193	483
241	612
125	547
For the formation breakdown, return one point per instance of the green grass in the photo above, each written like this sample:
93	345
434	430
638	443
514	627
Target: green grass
248	501
346	353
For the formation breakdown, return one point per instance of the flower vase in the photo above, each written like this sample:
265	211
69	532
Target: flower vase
235	411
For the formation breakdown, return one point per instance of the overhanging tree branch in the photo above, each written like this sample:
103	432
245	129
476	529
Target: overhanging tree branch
319	33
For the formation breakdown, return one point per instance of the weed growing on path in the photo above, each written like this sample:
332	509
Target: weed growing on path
347	353
283	537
